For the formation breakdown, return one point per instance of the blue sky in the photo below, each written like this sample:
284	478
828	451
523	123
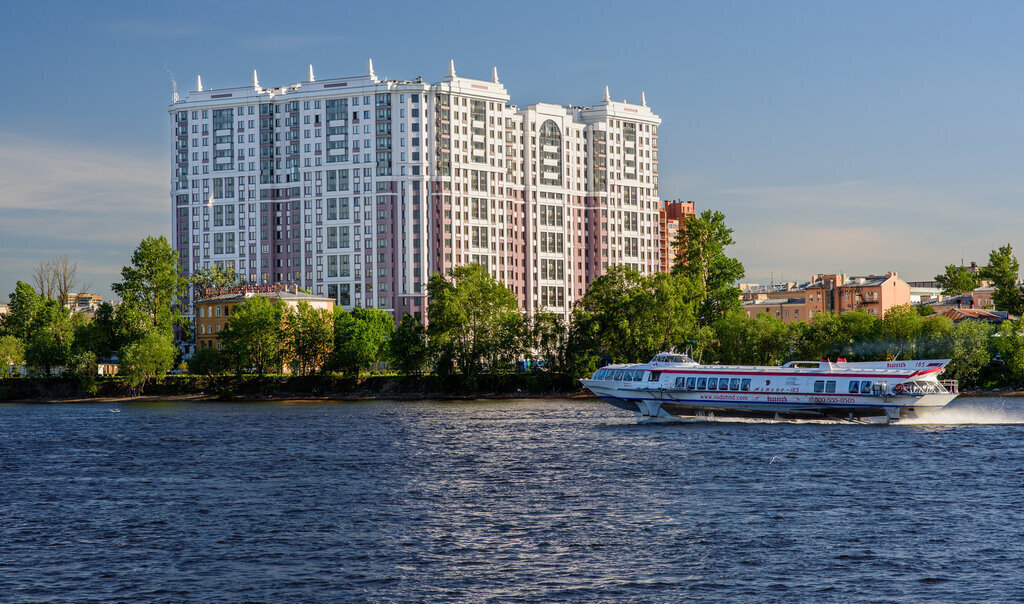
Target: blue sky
858	137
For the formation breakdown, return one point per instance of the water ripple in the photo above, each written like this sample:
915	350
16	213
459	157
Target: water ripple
497	501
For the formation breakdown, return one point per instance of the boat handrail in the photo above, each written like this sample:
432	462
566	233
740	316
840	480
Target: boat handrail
812	364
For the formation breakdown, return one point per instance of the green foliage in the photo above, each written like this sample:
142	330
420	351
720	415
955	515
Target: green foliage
208	361
969	345
957	280
12	354
253	337
24	304
1003	271
474	322
214	276
763	340
361	340
82	366
631	317
408	346
150	287
307	338
49	345
1009	344
548	334
898	332
713	275
149	357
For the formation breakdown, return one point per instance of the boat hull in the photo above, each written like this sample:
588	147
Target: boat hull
666	406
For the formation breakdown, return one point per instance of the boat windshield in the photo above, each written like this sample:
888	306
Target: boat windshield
666	357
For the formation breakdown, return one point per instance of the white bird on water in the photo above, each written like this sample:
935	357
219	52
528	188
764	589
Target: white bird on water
774	458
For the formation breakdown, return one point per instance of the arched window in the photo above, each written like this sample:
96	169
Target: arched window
550	154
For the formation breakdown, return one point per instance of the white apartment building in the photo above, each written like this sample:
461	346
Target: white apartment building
360	188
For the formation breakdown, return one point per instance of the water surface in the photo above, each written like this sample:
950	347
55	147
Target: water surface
539	500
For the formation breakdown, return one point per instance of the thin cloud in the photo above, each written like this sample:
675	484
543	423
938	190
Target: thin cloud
93	204
857	227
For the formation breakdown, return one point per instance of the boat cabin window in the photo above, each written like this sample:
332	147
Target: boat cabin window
734	384
702	383
618	376
679	382
654	376
830	386
690	382
745	384
819	386
712	383
865	387
854	387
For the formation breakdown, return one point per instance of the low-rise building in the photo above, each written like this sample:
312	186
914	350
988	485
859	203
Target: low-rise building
835	292
84	302
213	312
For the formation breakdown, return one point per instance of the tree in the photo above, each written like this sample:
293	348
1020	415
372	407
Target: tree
361	339
208	361
899	331
1009	343
969	344
214	276
12	354
24	304
152	356
408	346
1003	271
470	315
49	344
308	336
82	366
957	280
44	280
547	337
152	283
632	317
253	337
701	242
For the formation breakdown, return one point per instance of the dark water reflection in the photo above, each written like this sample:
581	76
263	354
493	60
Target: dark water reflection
515	500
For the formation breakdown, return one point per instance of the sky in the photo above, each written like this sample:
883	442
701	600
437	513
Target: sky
856	137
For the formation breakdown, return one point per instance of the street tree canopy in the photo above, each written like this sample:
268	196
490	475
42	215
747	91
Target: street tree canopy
957	280
701	242
152	283
1003	270
253	336
470	316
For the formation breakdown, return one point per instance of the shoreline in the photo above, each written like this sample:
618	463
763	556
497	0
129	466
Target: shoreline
206	398
300	398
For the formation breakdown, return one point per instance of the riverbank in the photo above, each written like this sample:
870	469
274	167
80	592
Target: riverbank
307	388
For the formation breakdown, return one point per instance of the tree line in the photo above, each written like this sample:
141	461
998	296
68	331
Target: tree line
474	325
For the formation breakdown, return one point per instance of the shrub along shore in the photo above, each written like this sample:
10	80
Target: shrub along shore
232	388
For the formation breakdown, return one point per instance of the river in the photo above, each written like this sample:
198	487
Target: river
533	500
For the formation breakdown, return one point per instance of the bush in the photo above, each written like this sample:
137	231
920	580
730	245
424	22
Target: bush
207	361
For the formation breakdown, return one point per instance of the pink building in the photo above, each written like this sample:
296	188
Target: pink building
360	188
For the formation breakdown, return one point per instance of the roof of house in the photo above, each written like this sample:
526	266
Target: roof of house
287	296
977	314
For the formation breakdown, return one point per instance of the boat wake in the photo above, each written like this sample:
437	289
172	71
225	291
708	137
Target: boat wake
968	415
